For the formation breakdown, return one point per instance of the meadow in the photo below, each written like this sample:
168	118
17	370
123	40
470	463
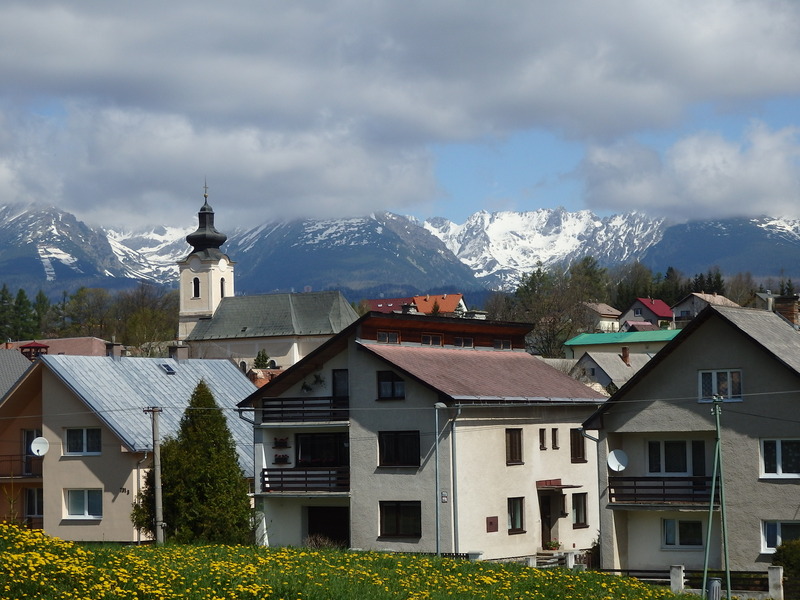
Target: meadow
33	565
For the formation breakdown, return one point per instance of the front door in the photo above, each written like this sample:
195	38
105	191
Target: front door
330	523
546	512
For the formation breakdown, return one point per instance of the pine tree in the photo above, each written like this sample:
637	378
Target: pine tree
24	325
262	360
204	491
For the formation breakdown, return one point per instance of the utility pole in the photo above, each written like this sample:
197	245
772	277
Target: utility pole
159	509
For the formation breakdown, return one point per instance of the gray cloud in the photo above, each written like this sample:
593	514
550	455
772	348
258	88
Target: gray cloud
117	111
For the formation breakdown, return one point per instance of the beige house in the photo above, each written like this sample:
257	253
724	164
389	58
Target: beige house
425	434
636	342
658	435
90	411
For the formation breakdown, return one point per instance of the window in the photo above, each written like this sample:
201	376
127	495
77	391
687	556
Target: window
196	287
667	457
554	438
579	511
514	447
322	449
777	532
681	534
398	448
84	504
542	438
341	383
463	342
516	512
83	441
431	339
637	312
222	287
577	446
781	458
502	344
388	337
400	519
34	502
727	384
390	385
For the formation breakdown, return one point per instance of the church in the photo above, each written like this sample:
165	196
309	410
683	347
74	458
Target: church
215	323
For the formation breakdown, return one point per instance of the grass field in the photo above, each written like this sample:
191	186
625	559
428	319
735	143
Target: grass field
33	565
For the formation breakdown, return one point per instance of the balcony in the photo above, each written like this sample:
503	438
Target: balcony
305	409
669	491
310	479
19	466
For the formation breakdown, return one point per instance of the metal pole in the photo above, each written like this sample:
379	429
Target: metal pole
723	511
710	512
159	509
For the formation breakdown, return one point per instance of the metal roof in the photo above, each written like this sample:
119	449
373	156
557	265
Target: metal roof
623	337
119	389
273	315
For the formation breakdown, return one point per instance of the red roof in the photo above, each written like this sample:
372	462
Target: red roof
660	308
484	374
387	305
447	302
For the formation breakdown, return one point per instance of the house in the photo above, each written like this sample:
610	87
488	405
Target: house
602	318
214	323
651	310
688	307
428	304
91	412
609	369
425	434
637	342
659	435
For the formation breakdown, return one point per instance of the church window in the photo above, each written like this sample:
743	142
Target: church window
196	287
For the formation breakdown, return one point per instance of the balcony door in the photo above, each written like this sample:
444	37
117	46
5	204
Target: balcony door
30	462
331	523
322	450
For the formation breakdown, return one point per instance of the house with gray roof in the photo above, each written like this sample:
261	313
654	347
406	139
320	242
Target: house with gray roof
660	493
91	412
426	434
215	323
12	365
609	369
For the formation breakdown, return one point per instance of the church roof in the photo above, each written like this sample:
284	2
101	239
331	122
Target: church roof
273	315
206	239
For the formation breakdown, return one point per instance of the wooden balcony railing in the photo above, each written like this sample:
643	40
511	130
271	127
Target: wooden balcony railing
304	409
16	465
312	479
661	490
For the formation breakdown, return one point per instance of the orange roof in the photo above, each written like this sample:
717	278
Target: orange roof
447	303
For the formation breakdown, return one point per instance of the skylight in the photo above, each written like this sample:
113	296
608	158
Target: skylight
168	369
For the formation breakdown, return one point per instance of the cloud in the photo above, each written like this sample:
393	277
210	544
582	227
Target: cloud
118	110
701	176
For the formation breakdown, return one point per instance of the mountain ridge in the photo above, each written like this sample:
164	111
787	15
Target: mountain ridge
385	254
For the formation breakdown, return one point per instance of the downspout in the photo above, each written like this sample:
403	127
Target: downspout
454	473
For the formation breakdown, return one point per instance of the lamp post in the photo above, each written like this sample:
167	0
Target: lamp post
436	407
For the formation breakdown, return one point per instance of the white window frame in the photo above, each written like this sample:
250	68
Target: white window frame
83	495
728	397
778	474
676	524
662	472
84	443
765	547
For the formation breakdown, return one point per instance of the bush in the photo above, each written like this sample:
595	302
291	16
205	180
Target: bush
787	555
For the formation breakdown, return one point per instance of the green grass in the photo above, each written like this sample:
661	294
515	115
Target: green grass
35	566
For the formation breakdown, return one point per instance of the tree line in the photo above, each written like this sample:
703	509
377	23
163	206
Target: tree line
137	318
553	300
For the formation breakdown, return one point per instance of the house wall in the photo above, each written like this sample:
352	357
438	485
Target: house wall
285	351
114	471
667	406
210	273
19	414
480	442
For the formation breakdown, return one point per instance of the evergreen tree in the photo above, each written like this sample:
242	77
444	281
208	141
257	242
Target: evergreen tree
262	360
41	307
24	325
204	491
6	314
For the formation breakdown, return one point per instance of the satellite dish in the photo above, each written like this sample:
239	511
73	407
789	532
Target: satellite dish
617	460
40	446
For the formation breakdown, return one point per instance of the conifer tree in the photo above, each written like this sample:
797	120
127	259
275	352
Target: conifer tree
204	491
262	360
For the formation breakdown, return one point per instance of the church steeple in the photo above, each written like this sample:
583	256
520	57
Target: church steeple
206	239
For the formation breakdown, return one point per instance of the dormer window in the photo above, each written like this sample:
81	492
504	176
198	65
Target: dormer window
389	337
463	342
502	344
431	339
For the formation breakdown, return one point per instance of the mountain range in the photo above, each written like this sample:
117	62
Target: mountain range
386	255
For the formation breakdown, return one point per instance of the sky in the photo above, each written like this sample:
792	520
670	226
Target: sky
121	112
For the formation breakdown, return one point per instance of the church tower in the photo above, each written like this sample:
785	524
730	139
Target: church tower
206	275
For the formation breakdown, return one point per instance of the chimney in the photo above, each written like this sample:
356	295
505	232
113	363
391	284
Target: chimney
626	355
786	306
770	301
178	351
114	350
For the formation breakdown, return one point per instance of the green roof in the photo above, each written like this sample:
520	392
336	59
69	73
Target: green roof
623	337
273	315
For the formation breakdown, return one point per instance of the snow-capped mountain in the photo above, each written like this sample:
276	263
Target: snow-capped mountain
387	254
500	247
